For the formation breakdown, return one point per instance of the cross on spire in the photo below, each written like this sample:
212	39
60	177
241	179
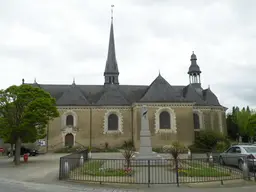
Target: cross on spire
112	7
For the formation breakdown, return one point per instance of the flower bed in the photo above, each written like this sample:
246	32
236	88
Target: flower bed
200	169
94	168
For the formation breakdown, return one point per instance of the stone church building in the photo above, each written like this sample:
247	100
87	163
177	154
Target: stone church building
91	115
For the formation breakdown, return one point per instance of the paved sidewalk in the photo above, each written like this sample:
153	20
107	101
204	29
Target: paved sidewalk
42	168
7	185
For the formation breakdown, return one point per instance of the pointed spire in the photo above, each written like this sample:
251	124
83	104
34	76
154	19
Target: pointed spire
35	81
111	70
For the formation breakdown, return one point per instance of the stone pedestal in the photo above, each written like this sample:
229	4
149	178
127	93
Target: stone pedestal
145	151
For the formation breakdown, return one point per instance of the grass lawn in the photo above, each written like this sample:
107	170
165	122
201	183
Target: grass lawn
94	168
200	169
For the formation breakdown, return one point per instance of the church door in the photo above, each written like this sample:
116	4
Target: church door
69	140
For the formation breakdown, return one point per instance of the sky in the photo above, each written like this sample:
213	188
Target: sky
54	41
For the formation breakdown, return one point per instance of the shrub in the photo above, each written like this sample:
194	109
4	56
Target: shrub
158	150
194	149
207	140
106	146
221	146
175	149
128	152
100	150
69	149
128	144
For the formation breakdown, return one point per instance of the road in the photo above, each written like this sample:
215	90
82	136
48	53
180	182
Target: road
7	185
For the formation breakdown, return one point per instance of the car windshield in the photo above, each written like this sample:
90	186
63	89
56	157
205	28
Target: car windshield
250	149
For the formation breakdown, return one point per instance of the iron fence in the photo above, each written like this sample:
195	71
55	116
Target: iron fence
145	171
70	162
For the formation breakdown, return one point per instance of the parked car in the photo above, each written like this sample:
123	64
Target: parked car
24	150
237	154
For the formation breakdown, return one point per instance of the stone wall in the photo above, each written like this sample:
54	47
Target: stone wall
90	125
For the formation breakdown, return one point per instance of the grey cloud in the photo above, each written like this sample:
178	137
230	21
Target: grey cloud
149	33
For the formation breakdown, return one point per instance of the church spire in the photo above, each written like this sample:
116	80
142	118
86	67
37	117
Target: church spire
111	70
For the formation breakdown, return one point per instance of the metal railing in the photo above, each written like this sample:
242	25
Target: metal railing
70	162
145	171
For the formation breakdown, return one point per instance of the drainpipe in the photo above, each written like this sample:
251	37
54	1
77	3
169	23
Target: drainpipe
90	128
132	125
47	137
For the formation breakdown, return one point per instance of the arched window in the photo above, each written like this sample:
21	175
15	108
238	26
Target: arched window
165	120
196	121
69	140
113	122
69	120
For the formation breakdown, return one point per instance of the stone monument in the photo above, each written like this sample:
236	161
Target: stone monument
145	151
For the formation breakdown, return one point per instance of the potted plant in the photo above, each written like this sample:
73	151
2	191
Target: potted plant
89	152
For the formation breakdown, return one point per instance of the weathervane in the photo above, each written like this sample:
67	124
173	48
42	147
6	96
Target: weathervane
112	7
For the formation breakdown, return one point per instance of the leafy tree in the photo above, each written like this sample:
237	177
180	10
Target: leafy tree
251	129
24	114
232	127
241	118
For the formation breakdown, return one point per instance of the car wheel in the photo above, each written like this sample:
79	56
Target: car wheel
221	161
240	164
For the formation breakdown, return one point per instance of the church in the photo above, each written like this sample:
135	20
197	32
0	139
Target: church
92	115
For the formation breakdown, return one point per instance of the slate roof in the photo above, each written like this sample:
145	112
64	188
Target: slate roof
112	96
194	67
191	94
121	95
210	97
161	91
111	64
72	96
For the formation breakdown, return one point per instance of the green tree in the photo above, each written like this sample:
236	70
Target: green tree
241	118
24	114
232	127
207	140
251	129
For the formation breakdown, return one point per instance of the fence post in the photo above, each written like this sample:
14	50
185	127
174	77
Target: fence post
245	170
60	169
254	170
148	173
177	171
81	160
